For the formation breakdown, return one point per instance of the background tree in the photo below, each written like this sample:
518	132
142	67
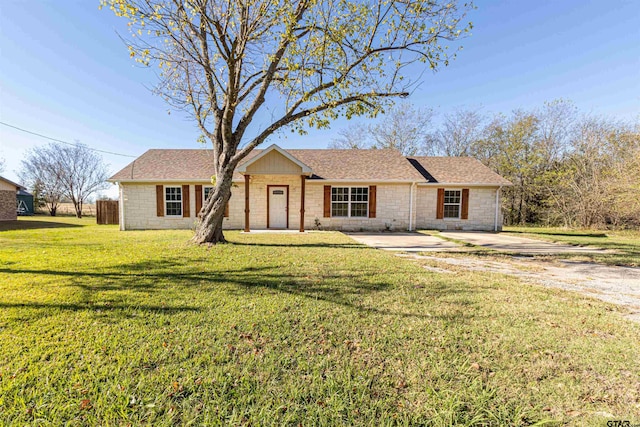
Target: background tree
356	135
307	61
58	170
2	164
511	148
459	133
597	181
404	127
39	175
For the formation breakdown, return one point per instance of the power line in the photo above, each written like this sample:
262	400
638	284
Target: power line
64	142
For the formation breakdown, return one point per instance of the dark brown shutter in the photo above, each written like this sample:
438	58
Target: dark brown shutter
226	210
198	199
186	213
327	201
372	201
465	204
159	200
440	205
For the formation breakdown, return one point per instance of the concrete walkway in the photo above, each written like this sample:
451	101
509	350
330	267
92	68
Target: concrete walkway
406	242
521	245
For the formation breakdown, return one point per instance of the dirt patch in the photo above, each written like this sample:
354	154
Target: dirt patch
614	284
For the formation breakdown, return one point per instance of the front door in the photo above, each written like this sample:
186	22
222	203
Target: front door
278	207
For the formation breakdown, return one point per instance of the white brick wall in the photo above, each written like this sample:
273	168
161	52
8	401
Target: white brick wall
392	209
482	208
139	207
139	202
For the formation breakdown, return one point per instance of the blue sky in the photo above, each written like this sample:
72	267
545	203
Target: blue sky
65	73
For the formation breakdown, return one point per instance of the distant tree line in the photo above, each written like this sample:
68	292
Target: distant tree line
567	168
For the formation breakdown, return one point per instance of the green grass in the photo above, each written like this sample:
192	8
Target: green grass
100	327
623	246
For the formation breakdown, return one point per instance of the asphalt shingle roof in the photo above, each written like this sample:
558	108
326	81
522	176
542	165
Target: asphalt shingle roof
329	164
366	165
185	164
456	170
169	165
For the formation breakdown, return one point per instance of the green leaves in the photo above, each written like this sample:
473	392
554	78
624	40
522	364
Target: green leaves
313	56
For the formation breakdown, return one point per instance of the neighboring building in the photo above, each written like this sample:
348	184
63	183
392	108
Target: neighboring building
8	199
307	189
25	203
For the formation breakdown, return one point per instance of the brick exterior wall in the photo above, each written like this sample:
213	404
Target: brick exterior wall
138	206
482	208
392	209
8	203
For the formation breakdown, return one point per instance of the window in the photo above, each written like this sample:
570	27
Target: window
207	191
173	201
452	203
350	202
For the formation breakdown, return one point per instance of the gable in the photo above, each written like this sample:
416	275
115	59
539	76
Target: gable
6	185
274	163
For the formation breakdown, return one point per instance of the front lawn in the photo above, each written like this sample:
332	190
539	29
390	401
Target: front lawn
101	327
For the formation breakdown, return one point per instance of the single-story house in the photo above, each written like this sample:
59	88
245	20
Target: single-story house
8	199
303	189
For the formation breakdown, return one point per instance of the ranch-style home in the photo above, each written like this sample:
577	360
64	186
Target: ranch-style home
313	189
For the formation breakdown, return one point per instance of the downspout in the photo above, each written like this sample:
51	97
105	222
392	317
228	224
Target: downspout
411	206
121	207
495	225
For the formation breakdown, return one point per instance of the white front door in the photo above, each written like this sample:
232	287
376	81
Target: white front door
278	198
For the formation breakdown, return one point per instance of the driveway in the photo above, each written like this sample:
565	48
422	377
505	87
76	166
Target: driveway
521	245
614	284
618	285
405	242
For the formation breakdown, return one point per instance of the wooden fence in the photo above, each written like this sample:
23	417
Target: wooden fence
107	211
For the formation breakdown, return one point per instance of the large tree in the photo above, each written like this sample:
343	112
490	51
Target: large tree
57	170
245	69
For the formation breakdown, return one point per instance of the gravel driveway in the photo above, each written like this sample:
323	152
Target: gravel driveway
614	284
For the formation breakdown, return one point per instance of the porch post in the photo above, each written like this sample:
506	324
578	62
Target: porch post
246	203
302	190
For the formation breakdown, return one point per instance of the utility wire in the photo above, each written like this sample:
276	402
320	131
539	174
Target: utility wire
65	142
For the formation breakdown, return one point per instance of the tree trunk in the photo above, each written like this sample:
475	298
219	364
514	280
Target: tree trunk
209	227
77	205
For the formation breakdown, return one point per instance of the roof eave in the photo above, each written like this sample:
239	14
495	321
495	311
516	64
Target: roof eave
18	186
151	181
465	184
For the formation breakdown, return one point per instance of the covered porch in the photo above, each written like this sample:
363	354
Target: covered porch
274	191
